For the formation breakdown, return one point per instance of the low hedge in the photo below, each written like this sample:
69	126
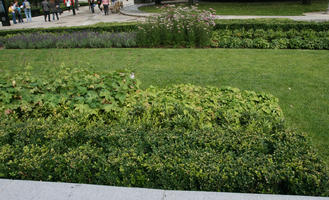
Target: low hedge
270	39
101	27
285	26
179	137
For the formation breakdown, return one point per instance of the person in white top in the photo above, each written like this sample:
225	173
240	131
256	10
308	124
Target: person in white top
68	5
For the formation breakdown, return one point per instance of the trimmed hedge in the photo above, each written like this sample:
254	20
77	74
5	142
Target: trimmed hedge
270	39
324	26
101	27
179	137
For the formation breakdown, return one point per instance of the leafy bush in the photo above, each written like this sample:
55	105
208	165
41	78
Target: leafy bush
265	25
277	39
70	40
177	26
179	137
66	90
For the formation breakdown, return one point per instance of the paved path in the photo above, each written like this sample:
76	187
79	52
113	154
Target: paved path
130	14
35	190
82	17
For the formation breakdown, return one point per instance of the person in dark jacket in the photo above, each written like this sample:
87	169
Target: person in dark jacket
99	2
53	9
46	9
92	5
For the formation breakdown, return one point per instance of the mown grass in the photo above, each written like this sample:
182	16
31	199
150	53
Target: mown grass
299	78
276	8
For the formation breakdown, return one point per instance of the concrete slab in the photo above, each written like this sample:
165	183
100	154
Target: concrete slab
37	190
34	190
95	192
190	195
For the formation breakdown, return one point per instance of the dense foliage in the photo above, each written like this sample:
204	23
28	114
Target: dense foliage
271	39
268	24
70	40
66	90
86	127
177	26
99	27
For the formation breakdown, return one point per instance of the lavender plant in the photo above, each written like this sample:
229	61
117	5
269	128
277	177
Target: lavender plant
177	26
85	39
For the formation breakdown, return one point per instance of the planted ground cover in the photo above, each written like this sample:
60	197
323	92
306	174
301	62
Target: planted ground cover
257	8
270	39
84	39
89	127
298	78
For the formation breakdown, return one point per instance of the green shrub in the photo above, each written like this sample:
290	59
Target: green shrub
277	39
66	90
177	26
179	137
100	27
247	25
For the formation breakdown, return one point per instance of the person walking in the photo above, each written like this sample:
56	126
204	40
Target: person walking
76	4
53	9
68	4
27	10
92	5
106	6
19	13
46	10
58	7
11	10
99	2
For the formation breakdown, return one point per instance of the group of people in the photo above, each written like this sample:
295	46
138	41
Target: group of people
51	7
15	9
102	5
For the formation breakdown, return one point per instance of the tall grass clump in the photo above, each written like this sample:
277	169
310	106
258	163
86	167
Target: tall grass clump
177	27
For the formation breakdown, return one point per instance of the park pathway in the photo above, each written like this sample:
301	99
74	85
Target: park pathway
83	17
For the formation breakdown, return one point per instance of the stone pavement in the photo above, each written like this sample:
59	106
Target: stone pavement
35	190
82	17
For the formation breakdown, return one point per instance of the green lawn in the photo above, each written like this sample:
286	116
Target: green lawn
289	8
299	78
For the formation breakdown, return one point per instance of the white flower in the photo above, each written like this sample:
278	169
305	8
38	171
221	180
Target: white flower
132	75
